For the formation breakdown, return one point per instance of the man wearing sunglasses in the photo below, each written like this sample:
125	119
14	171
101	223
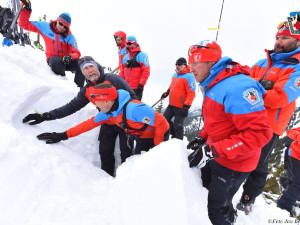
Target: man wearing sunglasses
94	75
279	74
235	127
120	38
61	47
181	95
135	67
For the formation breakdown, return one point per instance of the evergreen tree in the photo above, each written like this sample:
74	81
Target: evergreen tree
160	106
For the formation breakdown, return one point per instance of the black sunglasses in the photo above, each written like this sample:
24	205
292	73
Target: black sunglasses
179	64
61	24
129	43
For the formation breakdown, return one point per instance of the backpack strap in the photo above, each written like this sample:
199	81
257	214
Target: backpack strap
124	118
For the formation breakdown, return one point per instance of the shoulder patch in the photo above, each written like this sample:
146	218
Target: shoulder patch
193	84
251	96
297	82
146	120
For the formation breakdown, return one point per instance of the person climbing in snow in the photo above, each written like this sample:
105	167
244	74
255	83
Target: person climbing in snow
138	120
135	67
279	74
120	38
108	133
62	52
235	126
181	95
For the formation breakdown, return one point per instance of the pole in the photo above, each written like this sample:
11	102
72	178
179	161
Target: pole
219	21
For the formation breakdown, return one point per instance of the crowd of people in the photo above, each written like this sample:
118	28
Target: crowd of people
244	110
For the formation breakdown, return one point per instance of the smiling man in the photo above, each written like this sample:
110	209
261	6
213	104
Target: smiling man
235	126
61	47
279	74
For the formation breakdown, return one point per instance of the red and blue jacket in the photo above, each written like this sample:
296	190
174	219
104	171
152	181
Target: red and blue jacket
57	44
235	120
182	88
122	48
284	70
295	146
137	114
135	68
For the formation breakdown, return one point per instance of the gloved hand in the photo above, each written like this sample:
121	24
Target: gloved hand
196	143
26	4
185	110
165	94
200	156
139	91
51	138
267	84
37	118
67	59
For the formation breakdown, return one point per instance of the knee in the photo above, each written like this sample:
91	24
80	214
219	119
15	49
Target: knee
57	66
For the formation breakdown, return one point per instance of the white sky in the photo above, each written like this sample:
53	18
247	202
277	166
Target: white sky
165	29
62	184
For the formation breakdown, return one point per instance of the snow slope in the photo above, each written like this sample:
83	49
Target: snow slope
62	184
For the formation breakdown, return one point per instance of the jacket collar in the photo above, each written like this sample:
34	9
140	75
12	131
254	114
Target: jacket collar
224	68
285	57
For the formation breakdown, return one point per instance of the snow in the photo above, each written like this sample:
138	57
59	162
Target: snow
63	184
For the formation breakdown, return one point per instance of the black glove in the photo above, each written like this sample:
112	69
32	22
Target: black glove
185	110
67	59
51	138
27	4
37	118
166	94
200	156
267	84
139	91
196	143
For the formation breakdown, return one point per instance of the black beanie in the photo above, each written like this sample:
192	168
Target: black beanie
181	61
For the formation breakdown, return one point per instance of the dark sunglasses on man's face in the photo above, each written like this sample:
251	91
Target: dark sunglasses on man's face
129	43
61	24
179	64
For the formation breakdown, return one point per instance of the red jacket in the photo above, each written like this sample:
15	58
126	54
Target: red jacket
182	88
135	68
57	44
138	114
284	70
122	48
295	146
235	120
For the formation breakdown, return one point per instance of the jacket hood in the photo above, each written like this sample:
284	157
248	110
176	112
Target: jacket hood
123	97
133	50
187	69
224	68
123	36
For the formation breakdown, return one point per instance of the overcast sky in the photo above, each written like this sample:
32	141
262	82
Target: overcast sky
165	29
